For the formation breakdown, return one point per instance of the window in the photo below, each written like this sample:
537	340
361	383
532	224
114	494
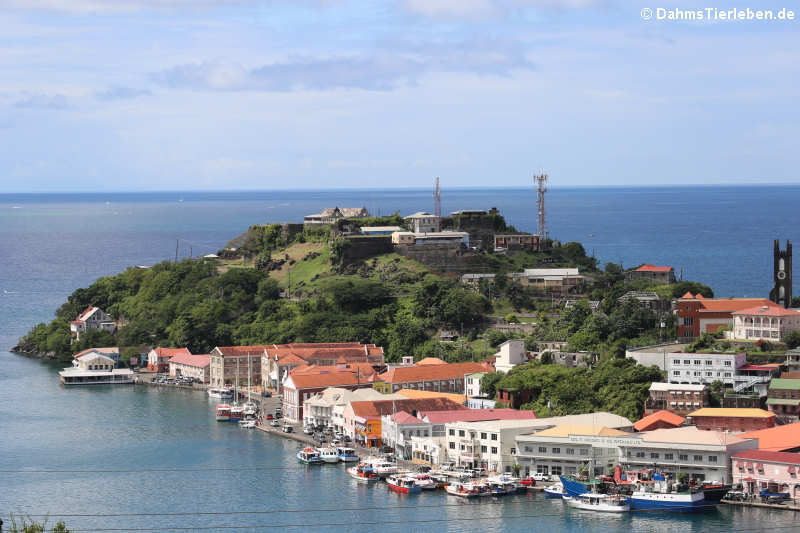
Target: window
556	450
727	363
542	449
528	449
676	372
697	361
452	445
483	436
556	470
640	455
687	361
698	457
709	362
452	432
483	449
494	449
653	455
709	373
669	456
570	451
712	458
727	374
584	451
460	432
513	451
494	436
683	457
541	469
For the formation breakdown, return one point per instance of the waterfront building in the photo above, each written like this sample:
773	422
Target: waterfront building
233	365
697	314
705	368
663	275
437	378
91	318
783	399
731	420
510	354
93	368
191	366
326	408
423	222
279	359
111	352
428	451
380	230
490	445
362	419
680	398
357	395
784	438
397	430
659	420
758	470
700	454
158	358
440	419
765	322
332	214
298	387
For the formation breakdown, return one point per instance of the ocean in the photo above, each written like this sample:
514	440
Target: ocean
138	450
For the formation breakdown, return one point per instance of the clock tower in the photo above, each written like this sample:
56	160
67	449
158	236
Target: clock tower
781	294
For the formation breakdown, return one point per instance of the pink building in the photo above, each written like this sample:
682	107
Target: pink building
757	470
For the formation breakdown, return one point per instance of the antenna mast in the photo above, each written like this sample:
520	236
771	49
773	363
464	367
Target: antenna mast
541	182
437	198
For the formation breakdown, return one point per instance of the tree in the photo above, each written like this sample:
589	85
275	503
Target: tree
489	383
511	318
716	391
792	339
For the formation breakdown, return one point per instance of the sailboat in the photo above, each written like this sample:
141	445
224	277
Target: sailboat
237	411
250	408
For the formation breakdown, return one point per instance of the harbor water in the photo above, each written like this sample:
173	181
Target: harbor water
137	458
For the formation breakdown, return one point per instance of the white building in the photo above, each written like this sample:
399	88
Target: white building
655	355
511	353
490	445
398	429
765	323
704	367
422	222
94	369
428	450
472	384
92	318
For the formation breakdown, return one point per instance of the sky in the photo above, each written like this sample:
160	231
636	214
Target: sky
290	94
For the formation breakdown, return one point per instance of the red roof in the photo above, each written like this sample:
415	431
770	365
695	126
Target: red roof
290	359
376	408
762	368
687	296
409	374
333	379
659	416
404	418
365	369
103	351
765	455
256	349
716	305
777	439
330	351
171	352
476	415
430	361
653	268
86	313
198	360
767	310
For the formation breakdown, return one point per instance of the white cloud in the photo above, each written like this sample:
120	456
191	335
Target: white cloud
43	101
117	92
453	8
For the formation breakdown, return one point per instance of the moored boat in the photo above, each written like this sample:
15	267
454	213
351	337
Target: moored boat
328	455
237	412
363	473
384	468
309	456
223	412
465	490
220	393
425	482
403	483
661	495
247	424
501	485
556	490
347	455
607	503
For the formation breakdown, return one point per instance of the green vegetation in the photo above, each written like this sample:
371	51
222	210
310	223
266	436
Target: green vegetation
29	525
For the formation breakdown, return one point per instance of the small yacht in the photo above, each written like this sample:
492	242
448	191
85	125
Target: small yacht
347	455
425	482
501	485
403	483
220	393
237	412
309	456
363	473
249	409
247	424
590	501
556	490
328	455
223	412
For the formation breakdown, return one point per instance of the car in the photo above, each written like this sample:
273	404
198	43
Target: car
539	476
278	414
337	442
266	394
308	430
274	423
270	417
288	429
347	438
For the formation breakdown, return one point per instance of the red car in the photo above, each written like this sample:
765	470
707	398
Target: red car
270	417
527	482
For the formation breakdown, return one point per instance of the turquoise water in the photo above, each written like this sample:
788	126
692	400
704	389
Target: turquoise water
140	450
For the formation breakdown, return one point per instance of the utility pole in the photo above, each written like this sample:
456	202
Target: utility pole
176	250
541	181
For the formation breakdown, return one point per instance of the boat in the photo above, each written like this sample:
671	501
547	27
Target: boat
236	412
425	482
662	495
556	490
328	455
501	485
403	483
309	456
466	490
714	492
250	409
223	412
363	473
384	468
574	487
220	393
590	501
347	455
247	424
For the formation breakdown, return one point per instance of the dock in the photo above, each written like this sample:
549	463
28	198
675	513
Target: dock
782	506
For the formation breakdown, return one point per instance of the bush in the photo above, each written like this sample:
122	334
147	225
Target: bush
792	339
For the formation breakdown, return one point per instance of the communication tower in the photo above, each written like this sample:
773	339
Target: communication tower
541	182
437	199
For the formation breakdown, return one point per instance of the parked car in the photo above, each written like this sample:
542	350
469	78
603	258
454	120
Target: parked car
270	417
538	476
274	423
308	430
288	429
266	394
278	414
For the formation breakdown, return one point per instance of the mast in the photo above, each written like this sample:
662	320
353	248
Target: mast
437	198
541	182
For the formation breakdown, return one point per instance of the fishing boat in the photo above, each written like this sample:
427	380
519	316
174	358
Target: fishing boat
573	486
328	455
347	455
309	456
220	393
403	483
661	495
236	412
466	490
556	490
598	502
223	412
247	424
501	485
363	473
425	482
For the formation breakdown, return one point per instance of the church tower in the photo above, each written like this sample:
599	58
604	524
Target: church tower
781	294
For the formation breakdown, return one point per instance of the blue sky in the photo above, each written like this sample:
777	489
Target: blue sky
265	94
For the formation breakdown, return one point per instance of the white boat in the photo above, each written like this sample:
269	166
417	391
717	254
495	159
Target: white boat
384	468
556	490
502	485
247	424
328	455
403	483
425	482
250	409
347	455
220	393
309	456
223	412
467	490
363	473
661	495
606	503
237	412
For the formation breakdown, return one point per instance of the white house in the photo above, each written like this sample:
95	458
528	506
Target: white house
704	367
490	445
765	323
422	222
91	318
93	368
511	353
472	384
397	430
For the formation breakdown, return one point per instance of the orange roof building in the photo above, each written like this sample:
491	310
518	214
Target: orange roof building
430	361
158	358
734	420
415	393
659	420
301	385
698	315
777	439
448	377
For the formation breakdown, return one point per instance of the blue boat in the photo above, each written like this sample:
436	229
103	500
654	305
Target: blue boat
660	495
573	487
